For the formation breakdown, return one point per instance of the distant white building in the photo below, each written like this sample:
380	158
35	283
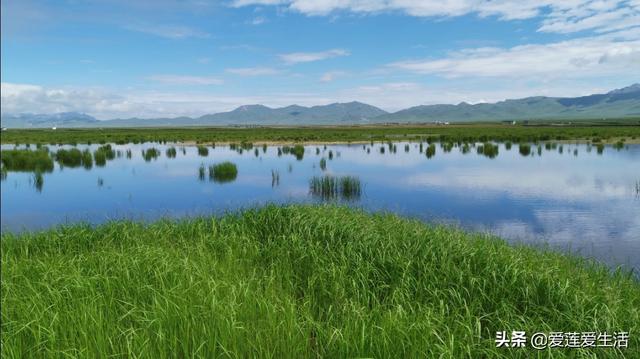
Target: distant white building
54	128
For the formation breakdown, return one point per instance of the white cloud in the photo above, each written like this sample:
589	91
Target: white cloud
169	31
185	80
560	16
331	75
301	57
580	58
252	71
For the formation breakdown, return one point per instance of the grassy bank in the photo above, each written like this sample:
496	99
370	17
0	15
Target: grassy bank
296	281
464	133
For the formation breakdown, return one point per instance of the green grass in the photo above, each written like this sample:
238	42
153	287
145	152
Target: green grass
454	133
330	187
203	151
524	149
431	150
74	158
223	172
38	180
488	149
150	154
171	152
297	282
26	160
103	154
297	151
323	164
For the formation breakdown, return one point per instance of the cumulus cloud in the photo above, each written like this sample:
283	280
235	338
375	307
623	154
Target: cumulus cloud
560	16
582	57
301	57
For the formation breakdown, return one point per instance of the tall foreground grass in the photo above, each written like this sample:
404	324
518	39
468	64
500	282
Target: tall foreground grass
297	282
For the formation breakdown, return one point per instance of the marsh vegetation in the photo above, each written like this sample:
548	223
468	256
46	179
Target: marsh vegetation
331	187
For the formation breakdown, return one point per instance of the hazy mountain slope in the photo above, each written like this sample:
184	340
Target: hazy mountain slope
620	103
62	119
617	103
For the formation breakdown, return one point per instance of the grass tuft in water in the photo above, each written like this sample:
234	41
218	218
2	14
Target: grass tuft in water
203	151
201	172
171	152
323	164
38	180
331	187
103	154
223	172
26	160
431	150
524	149
150	154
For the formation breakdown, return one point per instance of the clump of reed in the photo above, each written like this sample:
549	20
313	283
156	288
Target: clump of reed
26	160
74	158
331	187
150	154
465	148
171	152
38	180
275	178
431	150
102	154
488	149
297	151
330	154
129	154
323	164
3	172
201	172
203	151
600	148
256	152
618	145
524	149
69	158
223	172
507	145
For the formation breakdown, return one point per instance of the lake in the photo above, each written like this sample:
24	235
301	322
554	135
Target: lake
568	196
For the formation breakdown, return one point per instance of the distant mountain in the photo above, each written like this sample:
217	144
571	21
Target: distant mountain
352	112
62	119
620	103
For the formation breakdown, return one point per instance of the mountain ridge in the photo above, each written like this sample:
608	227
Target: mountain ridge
618	103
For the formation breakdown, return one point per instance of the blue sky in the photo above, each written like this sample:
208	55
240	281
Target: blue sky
125	58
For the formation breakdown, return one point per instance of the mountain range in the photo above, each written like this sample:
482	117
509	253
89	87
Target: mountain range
620	103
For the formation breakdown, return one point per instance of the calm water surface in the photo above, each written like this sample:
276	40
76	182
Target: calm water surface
577	200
